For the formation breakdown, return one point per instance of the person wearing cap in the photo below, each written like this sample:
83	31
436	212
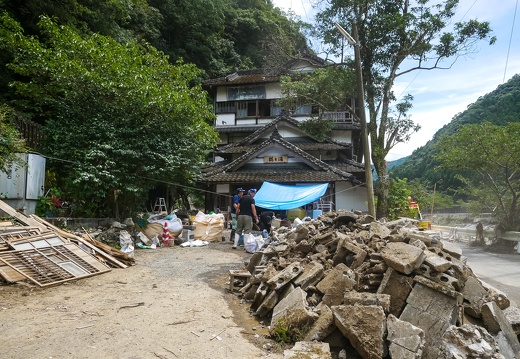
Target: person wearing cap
236	198
246	213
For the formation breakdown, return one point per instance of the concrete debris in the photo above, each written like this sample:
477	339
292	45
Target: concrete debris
378	290
308	350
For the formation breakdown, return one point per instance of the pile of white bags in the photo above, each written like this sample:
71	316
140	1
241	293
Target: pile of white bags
208	227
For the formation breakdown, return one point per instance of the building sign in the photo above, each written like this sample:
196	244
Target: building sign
276	159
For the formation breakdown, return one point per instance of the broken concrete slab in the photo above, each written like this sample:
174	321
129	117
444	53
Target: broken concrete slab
433	312
403	257
366	298
364	327
293	310
311	274
398	287
513	316
335	283
308	350
406	340
285	276
468	341
323	326
495	321
474	296
436	262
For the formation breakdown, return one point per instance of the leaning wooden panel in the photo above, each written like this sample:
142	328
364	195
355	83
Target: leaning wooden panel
53	265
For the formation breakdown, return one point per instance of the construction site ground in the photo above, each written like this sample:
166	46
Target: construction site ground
173	303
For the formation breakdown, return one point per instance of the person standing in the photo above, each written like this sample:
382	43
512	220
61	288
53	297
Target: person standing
236	198
246	212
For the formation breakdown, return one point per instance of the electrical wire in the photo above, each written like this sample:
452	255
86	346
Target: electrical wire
510	40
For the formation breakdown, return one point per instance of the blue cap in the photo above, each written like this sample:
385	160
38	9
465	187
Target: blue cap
252	190
240	189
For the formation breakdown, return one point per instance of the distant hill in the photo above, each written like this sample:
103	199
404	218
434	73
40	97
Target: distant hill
389	166
499	107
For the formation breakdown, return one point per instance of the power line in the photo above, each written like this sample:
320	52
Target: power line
510	39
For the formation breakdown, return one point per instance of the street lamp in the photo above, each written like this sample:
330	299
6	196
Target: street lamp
362	117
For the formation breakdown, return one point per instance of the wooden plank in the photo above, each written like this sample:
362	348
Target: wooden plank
19	216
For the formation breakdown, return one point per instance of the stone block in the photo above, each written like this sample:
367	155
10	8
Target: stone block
254	261
260	294
474	296
403	257
336	282
496	295
267	305
495	321
348	252
379	230
513	316
436	262
398	287
406	340
308	350
293	310
299	234
453	249
365	298
323	326
285	276
439	288
312	273
438	277
364	327
433	312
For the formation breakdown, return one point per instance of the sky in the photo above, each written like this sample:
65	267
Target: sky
439	95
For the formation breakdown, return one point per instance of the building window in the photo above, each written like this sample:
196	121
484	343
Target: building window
246	93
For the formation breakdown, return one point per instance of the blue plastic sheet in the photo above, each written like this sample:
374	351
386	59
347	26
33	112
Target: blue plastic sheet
277	196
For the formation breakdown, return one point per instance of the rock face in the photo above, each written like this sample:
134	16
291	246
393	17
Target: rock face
378	290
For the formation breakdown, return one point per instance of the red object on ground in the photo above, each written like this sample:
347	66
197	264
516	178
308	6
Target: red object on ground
166	234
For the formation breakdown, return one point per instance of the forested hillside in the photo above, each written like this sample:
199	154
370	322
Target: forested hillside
498	107
114	88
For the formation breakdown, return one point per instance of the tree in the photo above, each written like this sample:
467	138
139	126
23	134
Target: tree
328	89
395	38
492	154
121	116
11	142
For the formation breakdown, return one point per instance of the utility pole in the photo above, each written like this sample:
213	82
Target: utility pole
362	116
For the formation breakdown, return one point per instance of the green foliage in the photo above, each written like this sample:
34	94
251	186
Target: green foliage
284	332
50	204
10	142
121	114
391	32
491	154
317	127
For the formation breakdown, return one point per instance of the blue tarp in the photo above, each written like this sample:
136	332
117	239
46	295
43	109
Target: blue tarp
277	196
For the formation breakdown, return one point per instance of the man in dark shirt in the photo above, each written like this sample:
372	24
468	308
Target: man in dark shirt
246	211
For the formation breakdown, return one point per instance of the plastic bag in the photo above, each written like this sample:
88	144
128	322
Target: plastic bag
250	243
126	242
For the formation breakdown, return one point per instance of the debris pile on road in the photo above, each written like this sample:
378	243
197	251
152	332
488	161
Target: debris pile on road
31	249
379	290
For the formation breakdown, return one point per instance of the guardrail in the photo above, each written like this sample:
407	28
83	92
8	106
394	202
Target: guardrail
510	236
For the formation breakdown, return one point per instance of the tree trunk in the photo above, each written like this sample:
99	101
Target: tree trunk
383	186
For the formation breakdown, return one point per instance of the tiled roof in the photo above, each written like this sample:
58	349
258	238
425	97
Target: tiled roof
302	146
245	77
314	165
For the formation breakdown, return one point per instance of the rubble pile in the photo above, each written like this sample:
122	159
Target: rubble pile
384	290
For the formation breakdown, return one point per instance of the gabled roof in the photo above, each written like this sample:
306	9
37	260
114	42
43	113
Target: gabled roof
257	76
245	143
313	164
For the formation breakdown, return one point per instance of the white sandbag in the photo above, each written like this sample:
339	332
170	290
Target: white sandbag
208	227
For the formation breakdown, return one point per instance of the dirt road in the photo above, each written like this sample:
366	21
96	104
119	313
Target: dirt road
172	304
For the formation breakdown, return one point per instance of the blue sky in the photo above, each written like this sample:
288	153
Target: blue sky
441	94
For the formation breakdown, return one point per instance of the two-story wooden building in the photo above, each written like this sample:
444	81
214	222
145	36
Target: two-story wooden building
260	141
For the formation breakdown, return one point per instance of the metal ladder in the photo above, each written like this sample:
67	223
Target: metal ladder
160	206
